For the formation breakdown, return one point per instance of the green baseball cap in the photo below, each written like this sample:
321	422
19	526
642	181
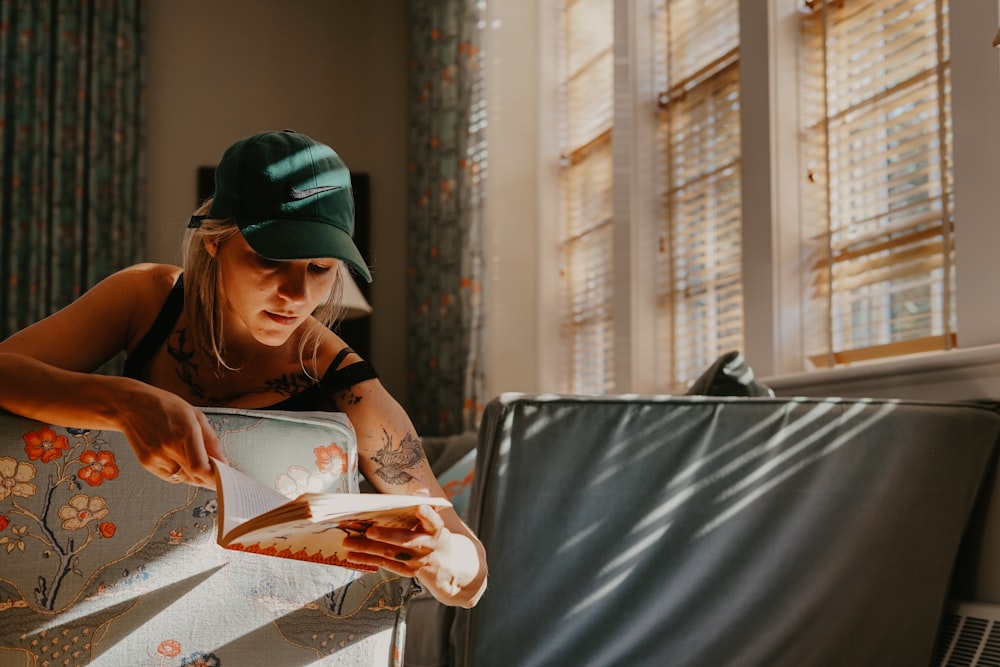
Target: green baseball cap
290	196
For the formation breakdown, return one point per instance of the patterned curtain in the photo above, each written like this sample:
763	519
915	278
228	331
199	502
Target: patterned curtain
445	233
72	135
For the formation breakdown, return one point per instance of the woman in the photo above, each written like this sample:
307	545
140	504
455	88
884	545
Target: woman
245	325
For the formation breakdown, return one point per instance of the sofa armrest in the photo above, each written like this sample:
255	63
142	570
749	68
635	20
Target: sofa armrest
105	563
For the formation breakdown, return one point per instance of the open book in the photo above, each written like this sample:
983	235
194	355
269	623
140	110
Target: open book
312	527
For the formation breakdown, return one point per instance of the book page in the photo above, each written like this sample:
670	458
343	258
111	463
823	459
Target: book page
241	497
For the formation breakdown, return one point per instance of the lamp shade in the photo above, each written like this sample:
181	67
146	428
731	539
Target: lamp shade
354	303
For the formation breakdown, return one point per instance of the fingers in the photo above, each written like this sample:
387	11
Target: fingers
430	519
422	535
403	563
176	473
186	455
174	441
397	549
201	447
168	470
213	447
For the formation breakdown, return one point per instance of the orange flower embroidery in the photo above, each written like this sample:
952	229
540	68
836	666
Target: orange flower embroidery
45	444
331	459
107	529
98	466
169	648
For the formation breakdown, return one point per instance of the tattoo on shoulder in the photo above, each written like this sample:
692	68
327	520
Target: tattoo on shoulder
394	462
187	370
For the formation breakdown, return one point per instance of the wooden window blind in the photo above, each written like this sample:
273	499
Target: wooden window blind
698	279
877	197
585	238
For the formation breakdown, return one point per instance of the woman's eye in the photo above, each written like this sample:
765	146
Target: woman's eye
319	268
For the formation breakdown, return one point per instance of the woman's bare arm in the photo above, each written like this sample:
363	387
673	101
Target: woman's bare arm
445	556
46	374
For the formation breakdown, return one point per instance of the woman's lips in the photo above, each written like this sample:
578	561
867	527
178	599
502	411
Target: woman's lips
281	319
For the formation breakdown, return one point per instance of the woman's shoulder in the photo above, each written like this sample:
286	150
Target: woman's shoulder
113	313
134	285
144	288
147	283
149	275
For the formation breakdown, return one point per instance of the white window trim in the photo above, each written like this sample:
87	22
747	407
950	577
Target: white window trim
522	201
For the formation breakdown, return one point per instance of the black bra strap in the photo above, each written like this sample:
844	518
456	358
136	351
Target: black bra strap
348	376
340	357
337	379
158	333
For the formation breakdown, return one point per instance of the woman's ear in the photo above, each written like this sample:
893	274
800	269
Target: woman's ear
211	246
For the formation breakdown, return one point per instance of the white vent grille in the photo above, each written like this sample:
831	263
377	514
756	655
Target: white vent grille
970	636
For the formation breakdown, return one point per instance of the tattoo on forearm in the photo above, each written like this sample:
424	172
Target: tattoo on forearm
394	462
187	371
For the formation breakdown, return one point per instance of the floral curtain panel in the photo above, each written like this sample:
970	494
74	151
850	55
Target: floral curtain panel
445	233
71	150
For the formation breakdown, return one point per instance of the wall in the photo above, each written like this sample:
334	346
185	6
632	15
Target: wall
333	69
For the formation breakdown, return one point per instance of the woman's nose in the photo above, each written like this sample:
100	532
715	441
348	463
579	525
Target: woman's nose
294	286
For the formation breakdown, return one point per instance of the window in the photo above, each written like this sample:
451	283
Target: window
585	239
875	207
697	267
877	204
699	293
935	273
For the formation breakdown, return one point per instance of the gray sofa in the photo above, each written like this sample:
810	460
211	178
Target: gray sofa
620	531
702	531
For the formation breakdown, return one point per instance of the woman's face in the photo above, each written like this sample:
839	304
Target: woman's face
269	299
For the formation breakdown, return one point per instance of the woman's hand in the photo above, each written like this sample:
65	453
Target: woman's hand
445	563
171	438
168	434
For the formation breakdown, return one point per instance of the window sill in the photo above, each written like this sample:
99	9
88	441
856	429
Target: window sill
960	374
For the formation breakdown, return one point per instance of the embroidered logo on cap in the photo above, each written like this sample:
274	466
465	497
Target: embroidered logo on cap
303	194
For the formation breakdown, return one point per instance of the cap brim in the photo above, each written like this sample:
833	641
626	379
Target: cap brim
304	239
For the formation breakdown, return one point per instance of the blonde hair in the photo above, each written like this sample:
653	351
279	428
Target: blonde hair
204	308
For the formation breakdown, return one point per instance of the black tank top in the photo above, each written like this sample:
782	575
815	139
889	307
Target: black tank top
318	396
